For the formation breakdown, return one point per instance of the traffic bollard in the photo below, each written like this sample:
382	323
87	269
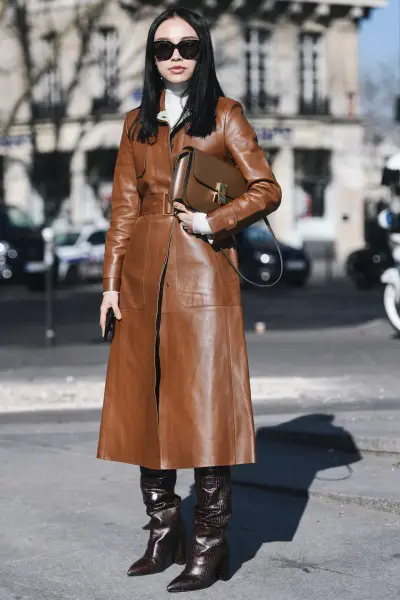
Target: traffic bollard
48	237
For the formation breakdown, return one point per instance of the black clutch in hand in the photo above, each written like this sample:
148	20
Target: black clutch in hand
109	329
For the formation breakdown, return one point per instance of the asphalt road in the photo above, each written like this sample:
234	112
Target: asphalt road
323	330
316	308
330	333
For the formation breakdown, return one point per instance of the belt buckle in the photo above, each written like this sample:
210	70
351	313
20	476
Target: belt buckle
167	208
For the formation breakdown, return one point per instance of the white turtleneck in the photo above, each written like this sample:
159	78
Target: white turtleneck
175	101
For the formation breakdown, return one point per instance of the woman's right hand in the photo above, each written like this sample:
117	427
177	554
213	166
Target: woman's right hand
110	300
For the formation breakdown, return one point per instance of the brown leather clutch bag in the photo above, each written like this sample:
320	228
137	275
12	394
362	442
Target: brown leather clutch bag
203	182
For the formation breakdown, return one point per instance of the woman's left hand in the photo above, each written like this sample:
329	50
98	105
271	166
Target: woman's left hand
185	216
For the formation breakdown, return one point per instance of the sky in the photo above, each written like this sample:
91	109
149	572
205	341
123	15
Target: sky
379	39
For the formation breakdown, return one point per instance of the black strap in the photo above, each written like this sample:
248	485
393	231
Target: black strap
262	285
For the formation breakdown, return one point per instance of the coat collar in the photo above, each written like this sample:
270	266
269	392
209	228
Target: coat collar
162	115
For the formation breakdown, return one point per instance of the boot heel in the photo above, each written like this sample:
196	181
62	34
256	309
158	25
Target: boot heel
179	556
222	571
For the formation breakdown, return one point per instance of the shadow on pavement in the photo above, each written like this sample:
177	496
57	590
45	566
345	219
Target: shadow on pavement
274	514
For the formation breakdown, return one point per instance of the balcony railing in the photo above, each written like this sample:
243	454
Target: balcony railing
261	103
318	106
104	105
48	112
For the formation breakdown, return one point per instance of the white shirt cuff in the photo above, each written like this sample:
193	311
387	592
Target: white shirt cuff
201	225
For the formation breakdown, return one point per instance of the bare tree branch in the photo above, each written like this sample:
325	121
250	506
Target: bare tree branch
32	78
378	92
3	8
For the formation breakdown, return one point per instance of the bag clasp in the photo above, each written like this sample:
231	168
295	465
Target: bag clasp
220	194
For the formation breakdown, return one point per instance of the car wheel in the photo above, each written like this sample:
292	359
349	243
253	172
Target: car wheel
363	284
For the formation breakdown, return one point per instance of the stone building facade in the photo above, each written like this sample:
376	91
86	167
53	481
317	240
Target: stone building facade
74	67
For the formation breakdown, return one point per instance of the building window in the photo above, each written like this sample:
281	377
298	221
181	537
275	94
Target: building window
51	180
312	176
257	64
313	92
106	52
48	96
100	172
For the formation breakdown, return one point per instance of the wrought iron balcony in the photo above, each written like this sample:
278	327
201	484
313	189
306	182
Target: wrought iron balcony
261	103
46	111
317	106
105	105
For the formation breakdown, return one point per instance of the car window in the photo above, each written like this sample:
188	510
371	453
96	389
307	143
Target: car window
258	233
18	218
97	238
66	239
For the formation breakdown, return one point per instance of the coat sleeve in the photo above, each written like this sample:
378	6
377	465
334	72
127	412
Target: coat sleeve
263	195
124	212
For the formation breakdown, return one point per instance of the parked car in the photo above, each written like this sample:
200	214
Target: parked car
80	254
18	230
366	265
259	258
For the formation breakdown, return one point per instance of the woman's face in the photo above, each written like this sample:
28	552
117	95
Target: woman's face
176	69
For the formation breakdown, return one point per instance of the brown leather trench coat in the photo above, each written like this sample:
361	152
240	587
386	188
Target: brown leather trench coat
177	391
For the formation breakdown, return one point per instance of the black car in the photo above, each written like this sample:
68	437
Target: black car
11	264
259	258
17	229
366	265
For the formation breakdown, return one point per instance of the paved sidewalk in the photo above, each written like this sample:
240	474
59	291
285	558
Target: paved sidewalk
72	525
359	446
343	477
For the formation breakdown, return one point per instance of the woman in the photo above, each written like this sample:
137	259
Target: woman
177	390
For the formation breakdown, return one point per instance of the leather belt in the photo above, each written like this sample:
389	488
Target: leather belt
156	204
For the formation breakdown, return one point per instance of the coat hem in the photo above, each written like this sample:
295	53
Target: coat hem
150	465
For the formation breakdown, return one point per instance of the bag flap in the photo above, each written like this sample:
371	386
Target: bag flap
209	171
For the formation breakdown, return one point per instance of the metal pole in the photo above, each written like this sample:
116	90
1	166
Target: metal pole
48	236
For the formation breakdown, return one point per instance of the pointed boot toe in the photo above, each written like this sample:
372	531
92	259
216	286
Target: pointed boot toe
181	584
142	567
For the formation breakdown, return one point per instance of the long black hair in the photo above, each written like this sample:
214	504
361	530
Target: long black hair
203	87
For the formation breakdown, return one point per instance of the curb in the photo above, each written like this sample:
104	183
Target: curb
337	441
382	504
28	391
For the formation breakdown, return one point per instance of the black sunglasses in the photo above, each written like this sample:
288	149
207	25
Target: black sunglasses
164	49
